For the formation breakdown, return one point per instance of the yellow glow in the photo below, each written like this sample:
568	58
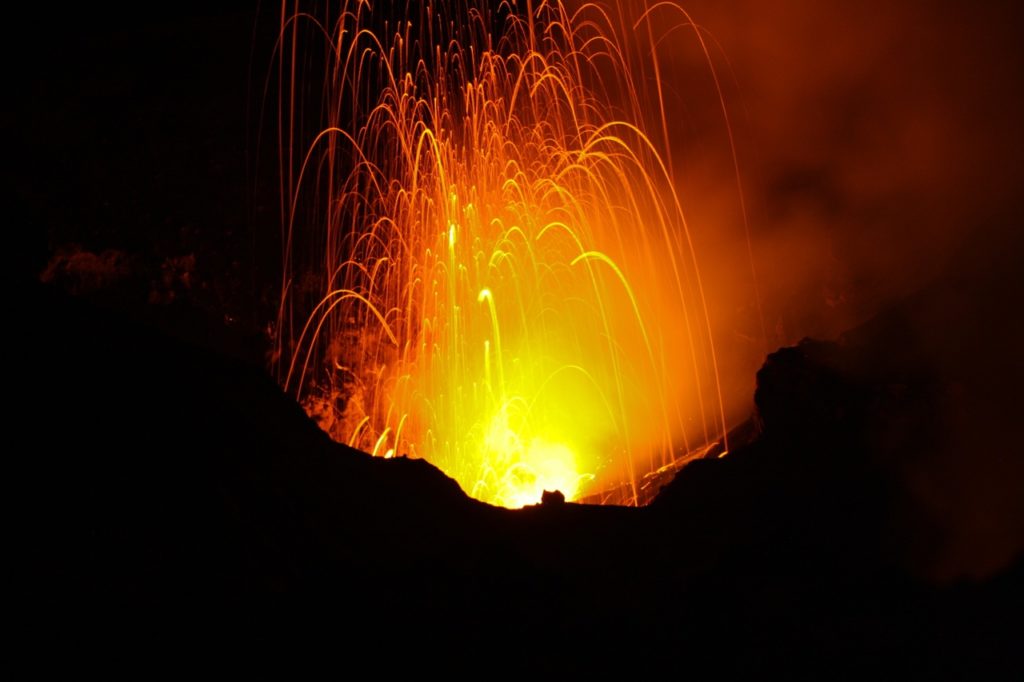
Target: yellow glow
513	166
522	471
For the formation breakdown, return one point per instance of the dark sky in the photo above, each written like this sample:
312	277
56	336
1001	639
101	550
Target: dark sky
879	143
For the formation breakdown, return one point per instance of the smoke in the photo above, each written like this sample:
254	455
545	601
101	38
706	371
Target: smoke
880	152
877	141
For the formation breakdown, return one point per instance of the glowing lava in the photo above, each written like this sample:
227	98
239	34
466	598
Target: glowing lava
486	260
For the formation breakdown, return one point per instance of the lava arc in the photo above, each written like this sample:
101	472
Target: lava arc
487	263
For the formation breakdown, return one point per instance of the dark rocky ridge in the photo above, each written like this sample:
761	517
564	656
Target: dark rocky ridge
176	501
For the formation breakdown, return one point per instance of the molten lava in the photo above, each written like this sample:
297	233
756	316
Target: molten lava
486	259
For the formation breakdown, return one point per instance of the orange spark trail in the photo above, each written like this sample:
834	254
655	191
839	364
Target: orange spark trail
486	250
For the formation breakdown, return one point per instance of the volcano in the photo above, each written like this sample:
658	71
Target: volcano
174	505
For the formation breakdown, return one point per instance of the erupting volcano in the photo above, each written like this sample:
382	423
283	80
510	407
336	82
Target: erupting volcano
487	262
306	279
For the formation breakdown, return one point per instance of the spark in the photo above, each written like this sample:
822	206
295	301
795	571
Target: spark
502	155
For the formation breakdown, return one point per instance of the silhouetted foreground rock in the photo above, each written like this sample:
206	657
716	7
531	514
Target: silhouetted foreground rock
175	503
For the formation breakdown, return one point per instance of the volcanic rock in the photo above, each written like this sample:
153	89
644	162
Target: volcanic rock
171	490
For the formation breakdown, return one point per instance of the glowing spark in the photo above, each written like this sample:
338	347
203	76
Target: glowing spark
501	156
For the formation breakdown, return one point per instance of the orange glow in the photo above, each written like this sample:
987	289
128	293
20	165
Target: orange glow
502	279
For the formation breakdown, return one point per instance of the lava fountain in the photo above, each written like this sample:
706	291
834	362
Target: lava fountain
486	259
